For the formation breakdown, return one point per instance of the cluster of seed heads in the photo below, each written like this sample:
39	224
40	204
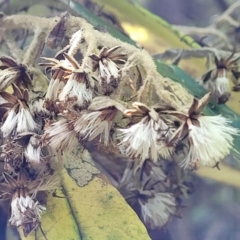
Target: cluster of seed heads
99	100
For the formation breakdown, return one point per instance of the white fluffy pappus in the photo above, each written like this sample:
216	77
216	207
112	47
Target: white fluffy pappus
18	207
32	153
22	121
139	139
60	136
76	89
91	125
220	85
108	70
142	139
55	85
37	107
26	122
157	211
10	123
210	142
7	76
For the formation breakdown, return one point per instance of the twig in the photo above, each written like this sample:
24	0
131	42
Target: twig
190	53
226	18
232	8
35	48
208	31
222	39
15	51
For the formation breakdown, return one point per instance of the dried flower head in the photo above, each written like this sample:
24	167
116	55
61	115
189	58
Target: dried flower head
22	192
60	135
15	113
12	154
79	87
37	107
97	121
107	63
12	72
147	190
215	80
57	34
59	71
210	137
144	190
76	109
31	143
30	220
146	136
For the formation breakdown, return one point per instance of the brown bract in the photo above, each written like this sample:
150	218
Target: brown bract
60	71
18	99
57	34
30	222
191	117
141	110
12	154
215	80
98	120
21	186
228	64
107	54
107	63
13	72
25	209
54	64
78	73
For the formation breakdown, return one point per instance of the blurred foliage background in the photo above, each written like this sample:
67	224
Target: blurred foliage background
190	13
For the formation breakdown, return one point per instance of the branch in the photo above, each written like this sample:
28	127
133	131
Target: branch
232	8
193	53
208	31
